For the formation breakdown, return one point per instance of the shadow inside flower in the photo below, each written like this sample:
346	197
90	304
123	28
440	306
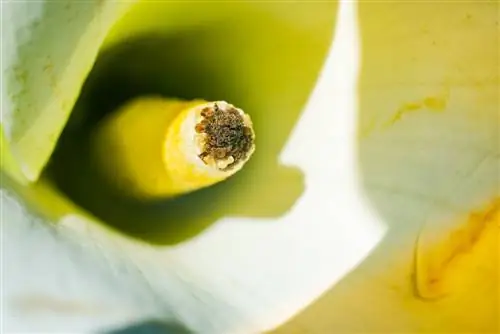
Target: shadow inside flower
270	77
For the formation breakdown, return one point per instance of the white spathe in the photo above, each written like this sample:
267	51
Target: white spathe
248	275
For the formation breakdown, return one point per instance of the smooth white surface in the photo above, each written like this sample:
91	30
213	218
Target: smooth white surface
48	48
426	170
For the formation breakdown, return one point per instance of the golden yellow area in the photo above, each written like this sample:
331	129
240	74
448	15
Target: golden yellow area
141	149
453	262
431	103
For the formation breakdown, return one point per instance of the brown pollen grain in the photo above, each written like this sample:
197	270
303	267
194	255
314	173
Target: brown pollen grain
226	135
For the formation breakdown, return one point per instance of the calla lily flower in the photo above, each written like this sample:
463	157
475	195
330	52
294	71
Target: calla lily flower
370	205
